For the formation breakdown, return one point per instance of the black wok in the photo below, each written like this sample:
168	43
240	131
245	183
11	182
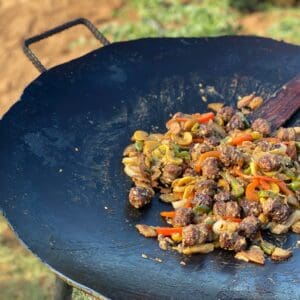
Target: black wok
61	181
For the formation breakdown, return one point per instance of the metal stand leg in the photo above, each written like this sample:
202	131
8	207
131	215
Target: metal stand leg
63	291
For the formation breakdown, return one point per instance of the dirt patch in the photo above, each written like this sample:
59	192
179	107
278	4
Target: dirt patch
20	19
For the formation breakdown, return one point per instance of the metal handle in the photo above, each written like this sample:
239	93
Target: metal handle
33	58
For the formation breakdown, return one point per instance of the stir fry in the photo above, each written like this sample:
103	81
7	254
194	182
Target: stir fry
227	181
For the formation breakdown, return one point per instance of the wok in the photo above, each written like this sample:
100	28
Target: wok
63	189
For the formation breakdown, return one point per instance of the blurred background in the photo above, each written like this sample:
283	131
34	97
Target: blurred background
22	276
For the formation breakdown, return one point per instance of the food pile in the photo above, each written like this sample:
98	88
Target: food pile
226	179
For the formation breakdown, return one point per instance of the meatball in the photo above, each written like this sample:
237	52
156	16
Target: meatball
189	172
223	196
269	162
251	208
170	173
276	210
232	209
203	200
210	167
230	156
249	227
198	149
262	126
264	146
139	196
211	141
207	187
194	234
183	217
226	209
232	241
204	130
226	113
236	122
286	134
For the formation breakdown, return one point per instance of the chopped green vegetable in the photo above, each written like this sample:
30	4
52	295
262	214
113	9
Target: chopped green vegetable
247	171
179	152
295	185
201	209
139	146
266	194
267	247
237	189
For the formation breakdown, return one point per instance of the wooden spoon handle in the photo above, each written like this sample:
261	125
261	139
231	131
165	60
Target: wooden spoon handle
281	105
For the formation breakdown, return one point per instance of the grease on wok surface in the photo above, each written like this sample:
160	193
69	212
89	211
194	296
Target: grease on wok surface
226	179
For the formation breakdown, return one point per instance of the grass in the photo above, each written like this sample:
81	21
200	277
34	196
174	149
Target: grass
22	276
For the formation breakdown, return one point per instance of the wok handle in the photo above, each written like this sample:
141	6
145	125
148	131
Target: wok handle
33	58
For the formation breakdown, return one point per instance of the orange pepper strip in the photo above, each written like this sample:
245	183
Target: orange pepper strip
232	219
283	187
264	184
188	202
203	157
168	214
266	178
204	118
181	119
238	140
167	231
251	193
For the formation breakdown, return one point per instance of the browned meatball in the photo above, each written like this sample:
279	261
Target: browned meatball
262	126
207	187
219	208
198	149
210	168
264	146
232	241
231	156
203	200
212	141
226	209
269	162
139	196
170	173
249	227
194	234
183	216
251	208
286	134
226	113
223	196
189	172
232	209
276	210
236	122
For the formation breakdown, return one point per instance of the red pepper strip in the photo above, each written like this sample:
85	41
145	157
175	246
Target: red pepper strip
283	187
232	219
188	202
204	118
167	231
251	193
238	140
168	214
264	184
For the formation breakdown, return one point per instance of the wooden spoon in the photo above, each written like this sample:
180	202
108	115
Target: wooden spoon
281	105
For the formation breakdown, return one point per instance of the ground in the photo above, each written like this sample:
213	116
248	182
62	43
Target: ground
22	276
